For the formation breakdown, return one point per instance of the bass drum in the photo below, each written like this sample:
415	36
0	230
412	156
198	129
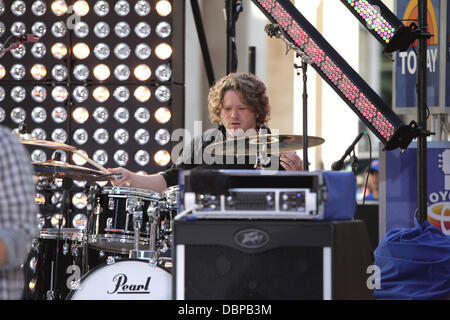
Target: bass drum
124	280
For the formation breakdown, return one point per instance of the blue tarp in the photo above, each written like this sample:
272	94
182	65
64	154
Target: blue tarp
341	190
414	263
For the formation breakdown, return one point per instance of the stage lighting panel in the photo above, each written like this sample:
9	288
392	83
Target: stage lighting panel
122	127
68	84
332	67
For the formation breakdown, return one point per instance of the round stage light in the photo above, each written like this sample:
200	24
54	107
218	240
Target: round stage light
59	7
59	114
39	133
101	8
81	72
162	158
80	115
59	135
101	29
142	136
142	115
163	51
142	72
142	157
121	157
101	72
81	8
121	136
142	29
79	160
59	29
79	200
101	94
101	136
142	93
163	8
121	115
81	50
162	136
100	114
38	114
163	115
100	156
59	50
142	8
102	51
122	72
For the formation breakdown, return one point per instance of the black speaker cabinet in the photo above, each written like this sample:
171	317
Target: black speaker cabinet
217	259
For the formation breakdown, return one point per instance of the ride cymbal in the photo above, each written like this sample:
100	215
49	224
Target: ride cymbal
274	144
28	139
61	169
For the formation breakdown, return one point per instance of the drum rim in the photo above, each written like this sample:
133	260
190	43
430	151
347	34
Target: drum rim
127	191
64	233
103	265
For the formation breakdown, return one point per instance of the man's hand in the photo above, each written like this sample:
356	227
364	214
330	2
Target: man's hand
291	161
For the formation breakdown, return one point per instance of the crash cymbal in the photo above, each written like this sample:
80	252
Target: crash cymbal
28	139
274	144
61	169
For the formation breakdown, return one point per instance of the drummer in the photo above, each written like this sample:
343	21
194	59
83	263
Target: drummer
239	105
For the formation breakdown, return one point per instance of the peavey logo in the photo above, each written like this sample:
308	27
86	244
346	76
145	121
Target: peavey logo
251	238
122	286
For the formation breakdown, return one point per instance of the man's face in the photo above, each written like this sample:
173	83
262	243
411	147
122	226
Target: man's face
373	180
235	115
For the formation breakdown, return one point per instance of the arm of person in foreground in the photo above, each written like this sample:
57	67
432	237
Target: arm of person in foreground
18	210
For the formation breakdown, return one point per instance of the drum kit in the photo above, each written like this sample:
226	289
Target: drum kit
122	249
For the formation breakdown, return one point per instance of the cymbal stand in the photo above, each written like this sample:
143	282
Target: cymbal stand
304	67
274	30
261	156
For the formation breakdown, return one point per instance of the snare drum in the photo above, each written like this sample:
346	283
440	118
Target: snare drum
111	223
124	280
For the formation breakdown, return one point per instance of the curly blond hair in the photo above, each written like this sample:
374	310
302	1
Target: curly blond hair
250	89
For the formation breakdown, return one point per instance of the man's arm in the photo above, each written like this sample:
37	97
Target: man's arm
154	182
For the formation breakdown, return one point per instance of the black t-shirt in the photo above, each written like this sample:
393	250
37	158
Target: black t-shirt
193	155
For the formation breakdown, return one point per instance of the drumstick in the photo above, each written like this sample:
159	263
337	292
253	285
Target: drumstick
95	164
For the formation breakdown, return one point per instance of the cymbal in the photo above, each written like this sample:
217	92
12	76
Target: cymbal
61	169
28	139
275	144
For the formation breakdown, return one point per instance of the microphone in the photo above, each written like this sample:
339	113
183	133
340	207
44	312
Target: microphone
238	6
26	38
337	165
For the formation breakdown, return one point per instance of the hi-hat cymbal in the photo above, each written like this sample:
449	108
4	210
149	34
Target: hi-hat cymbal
274	144
28	139
61	169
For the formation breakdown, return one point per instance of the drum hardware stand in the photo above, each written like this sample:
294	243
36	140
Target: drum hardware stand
261	156
51	292
274	30
67	185
154	217
90	207
304	67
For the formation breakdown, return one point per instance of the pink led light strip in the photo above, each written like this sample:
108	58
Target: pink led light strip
329	68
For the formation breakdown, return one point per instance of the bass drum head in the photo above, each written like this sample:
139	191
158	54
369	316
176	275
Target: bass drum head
124	280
